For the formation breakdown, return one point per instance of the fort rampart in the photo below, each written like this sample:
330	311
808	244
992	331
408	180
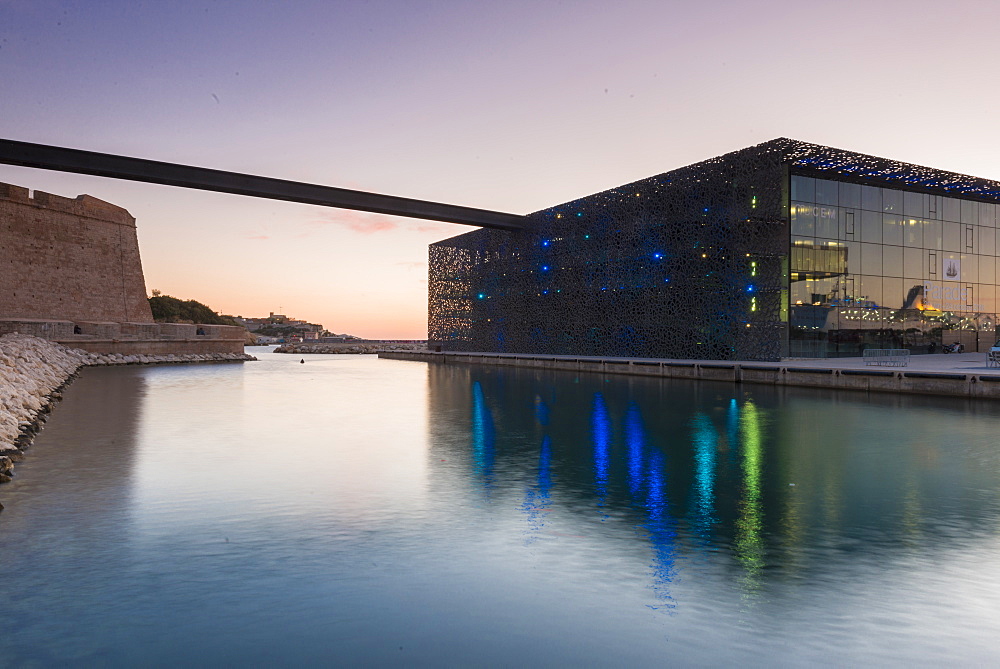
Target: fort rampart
70	272
69	259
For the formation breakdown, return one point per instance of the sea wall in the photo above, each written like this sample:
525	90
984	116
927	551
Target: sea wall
818	373
132	338
32	373
70	259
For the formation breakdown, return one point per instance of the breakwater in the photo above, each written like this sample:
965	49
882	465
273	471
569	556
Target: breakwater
33	372
348	348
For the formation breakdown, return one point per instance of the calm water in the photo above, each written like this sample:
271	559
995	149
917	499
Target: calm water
360	511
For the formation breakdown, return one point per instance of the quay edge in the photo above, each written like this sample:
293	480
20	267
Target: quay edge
802	373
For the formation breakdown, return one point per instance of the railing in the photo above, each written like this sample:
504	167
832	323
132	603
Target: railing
887	357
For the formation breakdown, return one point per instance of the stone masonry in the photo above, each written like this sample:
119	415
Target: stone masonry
70	272
69	260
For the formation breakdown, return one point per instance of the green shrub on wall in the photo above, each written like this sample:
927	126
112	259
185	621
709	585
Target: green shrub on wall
167	309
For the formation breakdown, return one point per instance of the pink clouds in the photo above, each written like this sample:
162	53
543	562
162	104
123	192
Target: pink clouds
434	227
358	221
367	224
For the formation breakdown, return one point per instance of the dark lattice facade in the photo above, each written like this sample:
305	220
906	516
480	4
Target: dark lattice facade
693	263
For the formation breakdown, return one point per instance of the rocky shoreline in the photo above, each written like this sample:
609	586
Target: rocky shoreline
34	371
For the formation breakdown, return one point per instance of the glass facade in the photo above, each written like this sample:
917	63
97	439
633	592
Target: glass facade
874	267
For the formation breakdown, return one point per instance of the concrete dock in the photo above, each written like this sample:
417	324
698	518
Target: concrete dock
956	375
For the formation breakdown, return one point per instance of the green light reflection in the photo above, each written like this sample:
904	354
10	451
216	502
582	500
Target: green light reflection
749	542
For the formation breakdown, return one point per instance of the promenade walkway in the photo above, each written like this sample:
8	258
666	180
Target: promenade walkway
962	363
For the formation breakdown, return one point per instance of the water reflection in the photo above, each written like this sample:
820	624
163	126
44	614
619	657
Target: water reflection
52	533
662	530
600	429
706	470
536	499
389	513
634	442
749	543
483	435
705	440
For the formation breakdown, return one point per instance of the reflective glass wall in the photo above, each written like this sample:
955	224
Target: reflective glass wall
883	268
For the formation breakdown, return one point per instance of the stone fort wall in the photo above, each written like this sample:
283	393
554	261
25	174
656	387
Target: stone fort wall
69	259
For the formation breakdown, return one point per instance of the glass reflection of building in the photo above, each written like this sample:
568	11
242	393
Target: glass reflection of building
781	249
888	268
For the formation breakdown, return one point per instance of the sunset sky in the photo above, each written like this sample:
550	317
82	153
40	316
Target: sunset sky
513	105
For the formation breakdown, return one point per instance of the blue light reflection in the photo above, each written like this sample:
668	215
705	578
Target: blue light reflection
483	433
705	440
662	532
634	441
600	430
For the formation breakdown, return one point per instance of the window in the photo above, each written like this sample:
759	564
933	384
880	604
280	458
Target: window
970	212
871	259
952	236
987	270
849	224
913	232
892	261
826	222
871	198
803	189
913	265
892	200
850	196
932	234
892	229
987	215
987	241
970	267
952	209
803	219
913	204
871	227
826	192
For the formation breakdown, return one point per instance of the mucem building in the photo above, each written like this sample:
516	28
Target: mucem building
785	249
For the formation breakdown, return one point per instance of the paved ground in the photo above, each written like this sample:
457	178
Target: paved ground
956	363
952	363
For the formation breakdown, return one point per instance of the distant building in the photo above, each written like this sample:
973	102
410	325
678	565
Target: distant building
278	320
